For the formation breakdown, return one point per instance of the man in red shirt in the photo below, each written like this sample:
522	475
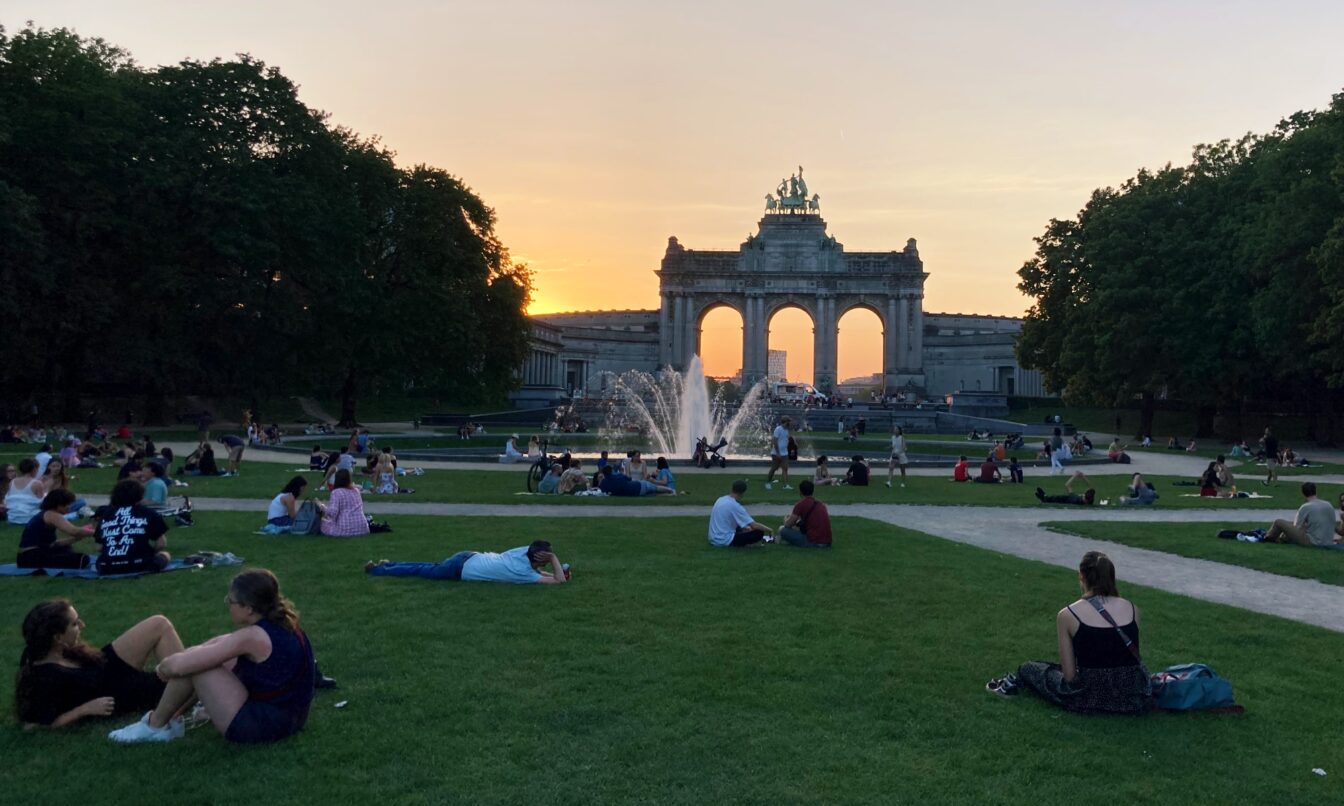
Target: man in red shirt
989	472
962	471
809	525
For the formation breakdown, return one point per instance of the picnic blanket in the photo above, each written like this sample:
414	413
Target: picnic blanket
1234	498
12	570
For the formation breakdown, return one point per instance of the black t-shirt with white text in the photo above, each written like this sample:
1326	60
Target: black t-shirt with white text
127	536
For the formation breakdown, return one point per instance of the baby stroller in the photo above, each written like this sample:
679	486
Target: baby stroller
707	455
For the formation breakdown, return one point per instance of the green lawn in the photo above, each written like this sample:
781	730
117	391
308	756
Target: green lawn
1201	540
490	485
670	672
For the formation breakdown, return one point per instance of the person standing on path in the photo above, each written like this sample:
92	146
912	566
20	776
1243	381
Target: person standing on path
1057	453
898	455
1313	526
1271	445
779	454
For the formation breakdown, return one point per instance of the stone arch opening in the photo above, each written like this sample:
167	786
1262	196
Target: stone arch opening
719	333
790	328
859	346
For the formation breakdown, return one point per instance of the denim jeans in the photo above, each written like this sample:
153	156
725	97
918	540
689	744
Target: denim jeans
450	569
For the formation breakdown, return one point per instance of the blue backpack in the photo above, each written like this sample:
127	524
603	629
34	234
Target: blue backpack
1191	687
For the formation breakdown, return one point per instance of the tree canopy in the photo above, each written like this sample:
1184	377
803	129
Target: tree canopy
1217	283
196	228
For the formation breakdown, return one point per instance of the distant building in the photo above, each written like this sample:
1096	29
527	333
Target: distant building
790	262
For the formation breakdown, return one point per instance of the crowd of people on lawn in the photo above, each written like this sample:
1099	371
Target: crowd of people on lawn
256	683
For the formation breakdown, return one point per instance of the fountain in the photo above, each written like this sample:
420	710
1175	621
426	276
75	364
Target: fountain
672	410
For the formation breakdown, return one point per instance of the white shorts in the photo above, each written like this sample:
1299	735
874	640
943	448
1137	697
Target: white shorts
900	459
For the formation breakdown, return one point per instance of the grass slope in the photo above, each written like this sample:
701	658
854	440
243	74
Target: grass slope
1200	540
669	672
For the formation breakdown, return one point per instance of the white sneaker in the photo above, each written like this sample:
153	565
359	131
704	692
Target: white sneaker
787	487
888	485
141	731
769	485
902	485
768	539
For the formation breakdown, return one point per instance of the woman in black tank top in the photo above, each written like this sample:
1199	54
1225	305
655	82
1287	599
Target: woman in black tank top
1100	668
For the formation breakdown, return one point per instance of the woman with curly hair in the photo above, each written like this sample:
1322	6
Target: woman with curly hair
62	679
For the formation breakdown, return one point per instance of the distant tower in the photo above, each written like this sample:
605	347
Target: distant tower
778	365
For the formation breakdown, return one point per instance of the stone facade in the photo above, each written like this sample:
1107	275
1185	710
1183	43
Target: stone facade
793	262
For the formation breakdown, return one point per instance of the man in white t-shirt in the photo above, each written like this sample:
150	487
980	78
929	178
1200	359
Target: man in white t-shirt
730	525
521	566
779	453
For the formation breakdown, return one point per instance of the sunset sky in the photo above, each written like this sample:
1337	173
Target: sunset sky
598	129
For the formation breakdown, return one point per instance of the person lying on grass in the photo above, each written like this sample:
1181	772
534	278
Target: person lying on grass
731	525
522	566
614	483
1315	524
62	679
809	525
1099	669
256	683
1070	497
41	547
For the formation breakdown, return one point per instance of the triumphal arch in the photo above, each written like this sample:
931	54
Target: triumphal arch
791	261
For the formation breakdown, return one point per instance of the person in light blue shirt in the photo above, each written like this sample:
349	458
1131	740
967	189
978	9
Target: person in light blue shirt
550	483
664	477
520	566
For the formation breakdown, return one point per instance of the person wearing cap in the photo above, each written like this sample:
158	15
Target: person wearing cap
521	566
511	453
731	525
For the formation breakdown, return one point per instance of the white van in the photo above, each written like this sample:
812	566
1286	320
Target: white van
793	393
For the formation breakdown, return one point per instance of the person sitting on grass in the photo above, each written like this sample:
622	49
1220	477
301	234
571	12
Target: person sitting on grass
256	683
1070	497
1139	492
821	477
206	461
132	535
1014	471
1225	477
41	547
385	472
344	514
24	494
285	505
522	566
858	473
662	475
56	478
809	525
1116	452
62	679
731	525
574	479
550	483
317	460
1315	524
989	472
1099	669
1191	447
961	471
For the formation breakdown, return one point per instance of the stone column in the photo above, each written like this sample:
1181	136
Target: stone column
902	333
758	342
890	347
678	332
824	344
748	335
664	332
917	335
692	332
